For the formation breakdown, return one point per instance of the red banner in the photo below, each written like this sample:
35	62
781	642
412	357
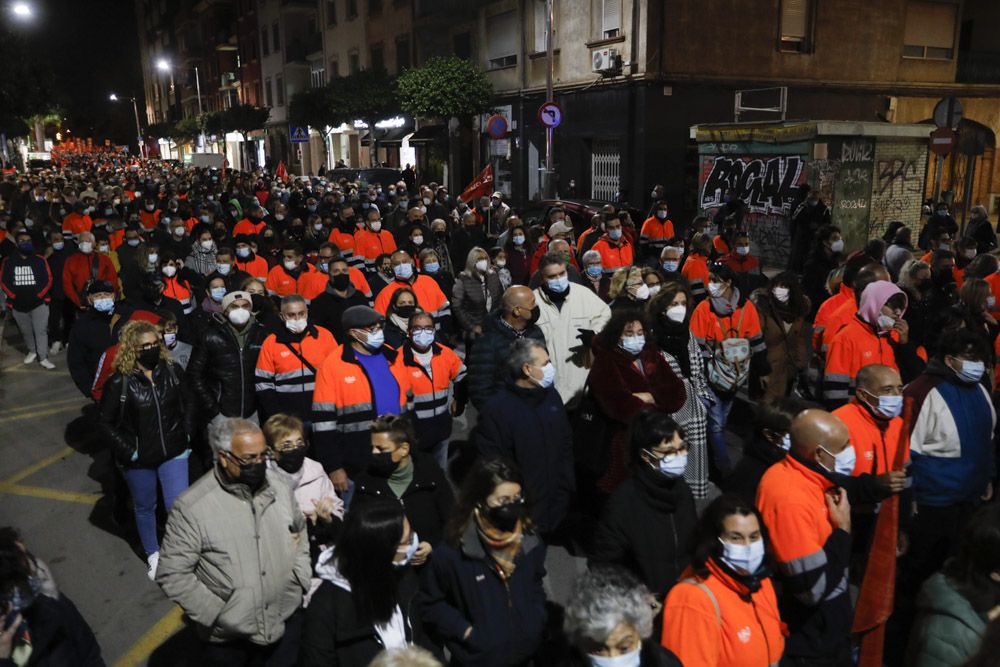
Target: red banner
481	186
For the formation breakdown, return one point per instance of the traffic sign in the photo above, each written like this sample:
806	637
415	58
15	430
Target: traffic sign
948	112
942	141
299	134
497	126
550	115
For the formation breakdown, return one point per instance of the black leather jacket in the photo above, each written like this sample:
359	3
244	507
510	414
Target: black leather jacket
221	373
154	420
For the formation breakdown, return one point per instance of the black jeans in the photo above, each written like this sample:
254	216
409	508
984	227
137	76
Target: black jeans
62	314
282	653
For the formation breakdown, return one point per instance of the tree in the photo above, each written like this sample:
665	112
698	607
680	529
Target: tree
370	95
245	118
447	88
186	130
321	109
160	130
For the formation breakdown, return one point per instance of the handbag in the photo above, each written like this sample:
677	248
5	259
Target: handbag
591	435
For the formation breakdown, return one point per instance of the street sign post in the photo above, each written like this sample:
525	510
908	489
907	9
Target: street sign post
942	141
550	115
298	134
497	126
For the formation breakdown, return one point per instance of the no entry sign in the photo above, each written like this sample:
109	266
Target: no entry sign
942	141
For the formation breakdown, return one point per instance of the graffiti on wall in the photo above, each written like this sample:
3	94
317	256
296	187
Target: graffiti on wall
896	191
768	185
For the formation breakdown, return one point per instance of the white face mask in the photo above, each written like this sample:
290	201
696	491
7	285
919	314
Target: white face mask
239	316
178	232
743	250
153	258
654	290
837	246
170	339
482	265
169	270
744	558
781	294
630	659
290	264
716	289
207	245
843	463
296	326
676	313
786	442
885	323
642	292
418	239
548	376
86	247
376	226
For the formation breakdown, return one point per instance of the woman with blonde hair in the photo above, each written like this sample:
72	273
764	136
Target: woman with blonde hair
628	288
477	294
146	419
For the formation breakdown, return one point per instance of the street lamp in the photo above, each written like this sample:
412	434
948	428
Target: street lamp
164	66
138	129
22	11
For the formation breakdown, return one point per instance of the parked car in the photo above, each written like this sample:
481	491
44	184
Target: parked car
579	211
380	175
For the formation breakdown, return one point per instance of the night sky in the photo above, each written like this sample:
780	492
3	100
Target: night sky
92	47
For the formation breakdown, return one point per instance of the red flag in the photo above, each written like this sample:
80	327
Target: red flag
480	186
281	172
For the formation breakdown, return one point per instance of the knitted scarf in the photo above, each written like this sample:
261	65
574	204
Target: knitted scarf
502	547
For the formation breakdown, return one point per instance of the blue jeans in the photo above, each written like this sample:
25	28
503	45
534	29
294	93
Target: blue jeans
348	495
718	415
173	476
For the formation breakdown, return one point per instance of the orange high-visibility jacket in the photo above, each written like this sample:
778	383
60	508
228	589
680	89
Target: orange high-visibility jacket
368	245
429	296
282	283
283	382
612	256
875	447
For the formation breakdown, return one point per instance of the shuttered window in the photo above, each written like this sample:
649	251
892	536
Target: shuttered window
501	37
930	30
611	18
796	17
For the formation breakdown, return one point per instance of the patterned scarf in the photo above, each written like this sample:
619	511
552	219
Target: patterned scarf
502	547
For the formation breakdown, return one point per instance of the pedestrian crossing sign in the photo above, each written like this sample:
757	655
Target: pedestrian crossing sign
298	133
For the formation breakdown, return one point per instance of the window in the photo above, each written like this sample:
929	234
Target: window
608	15
317	75
377	59
539	27
930	30
501	38
374	7
461	44
331	12
279	83
267	92
796	20
352	9
334	67
353	62
264	48
276	37
402	53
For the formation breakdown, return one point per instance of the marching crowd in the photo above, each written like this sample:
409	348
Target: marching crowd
276	367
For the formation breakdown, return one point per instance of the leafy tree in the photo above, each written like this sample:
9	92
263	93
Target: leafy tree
370	95
322	109
160	130
245	118
445	87
186	130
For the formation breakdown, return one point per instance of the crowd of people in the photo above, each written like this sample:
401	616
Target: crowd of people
794	467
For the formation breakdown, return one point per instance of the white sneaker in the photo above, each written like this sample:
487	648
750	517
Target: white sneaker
152	561
46	364
56	347
30	358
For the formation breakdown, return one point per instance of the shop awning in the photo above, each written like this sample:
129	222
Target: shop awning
428	134
392	137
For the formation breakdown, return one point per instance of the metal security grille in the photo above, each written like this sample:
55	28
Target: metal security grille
605	169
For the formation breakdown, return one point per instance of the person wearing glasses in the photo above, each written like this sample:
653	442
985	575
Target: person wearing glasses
146	418
358	381
235	555
481	594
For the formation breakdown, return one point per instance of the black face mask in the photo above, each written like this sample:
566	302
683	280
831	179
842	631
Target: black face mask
257	302
536	312
942	278
925	284
252	474
406	312
149	358
504	517
382	465
290	460
340	281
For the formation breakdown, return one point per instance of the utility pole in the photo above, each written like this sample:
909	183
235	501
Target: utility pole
197	84
549	184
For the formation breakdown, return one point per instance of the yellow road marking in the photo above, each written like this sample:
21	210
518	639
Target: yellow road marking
155	636
46	404
40	413
49	494
35	467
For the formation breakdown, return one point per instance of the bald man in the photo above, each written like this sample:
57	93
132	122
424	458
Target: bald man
809	522
874	419
514	319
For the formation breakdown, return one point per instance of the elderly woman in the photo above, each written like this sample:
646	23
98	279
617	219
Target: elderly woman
477	294
609	621
594	276
628	289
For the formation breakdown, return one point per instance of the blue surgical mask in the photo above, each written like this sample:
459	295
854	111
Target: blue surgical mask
217	294
630	659
548	376
403	271
972	371
376	339
518	239
633	344
243	253
671	265
615	234
744	558
888	406
133	242
843	463
58	245
558	285
411	550
104	305
223	269
432	267
786	442
672	465
423	338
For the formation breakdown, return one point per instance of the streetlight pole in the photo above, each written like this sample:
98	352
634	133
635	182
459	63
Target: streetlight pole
550	62
201	126
138	129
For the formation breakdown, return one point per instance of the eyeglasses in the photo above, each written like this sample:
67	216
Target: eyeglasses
263	456
659	454
148	346
507	500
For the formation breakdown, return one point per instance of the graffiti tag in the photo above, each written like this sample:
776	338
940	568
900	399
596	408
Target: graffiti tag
768	186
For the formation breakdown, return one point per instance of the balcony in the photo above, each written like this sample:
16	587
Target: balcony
226	39
978	67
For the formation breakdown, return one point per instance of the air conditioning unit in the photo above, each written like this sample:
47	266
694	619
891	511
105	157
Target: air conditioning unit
605	60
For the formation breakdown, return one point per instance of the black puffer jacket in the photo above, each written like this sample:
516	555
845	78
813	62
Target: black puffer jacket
221	372
153	421
487	363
